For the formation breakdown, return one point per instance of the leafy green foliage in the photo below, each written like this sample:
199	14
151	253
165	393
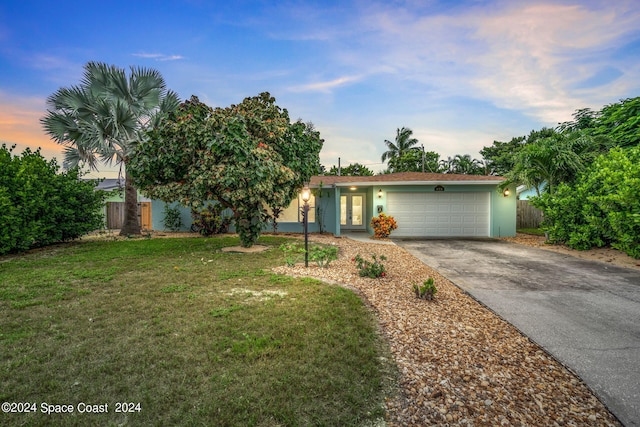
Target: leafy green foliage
462	164
550	158
412	161
172	217
373	269
618	121
427	290
245	157
600	208
293	253
210	220
323	255
39	206
354	169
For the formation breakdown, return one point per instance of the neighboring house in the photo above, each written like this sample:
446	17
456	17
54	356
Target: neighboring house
525	193
423	205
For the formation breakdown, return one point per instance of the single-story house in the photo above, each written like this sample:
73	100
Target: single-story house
423	205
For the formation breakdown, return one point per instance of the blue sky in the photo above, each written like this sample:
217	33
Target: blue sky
460	74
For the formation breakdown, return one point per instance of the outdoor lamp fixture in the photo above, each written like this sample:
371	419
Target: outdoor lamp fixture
380	193
506	193
306	196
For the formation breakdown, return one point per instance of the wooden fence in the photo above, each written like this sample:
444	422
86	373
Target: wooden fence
527	215
115	215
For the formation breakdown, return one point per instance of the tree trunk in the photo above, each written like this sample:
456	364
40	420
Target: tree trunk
131	224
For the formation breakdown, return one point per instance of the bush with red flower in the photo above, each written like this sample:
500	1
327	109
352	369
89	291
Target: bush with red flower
373	269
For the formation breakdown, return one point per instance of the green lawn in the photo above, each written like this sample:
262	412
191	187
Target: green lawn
534	231
194	335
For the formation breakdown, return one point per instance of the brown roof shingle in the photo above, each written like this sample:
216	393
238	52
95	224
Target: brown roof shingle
413	177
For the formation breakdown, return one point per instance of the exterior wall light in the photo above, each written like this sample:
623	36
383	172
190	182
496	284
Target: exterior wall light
506	193
380	193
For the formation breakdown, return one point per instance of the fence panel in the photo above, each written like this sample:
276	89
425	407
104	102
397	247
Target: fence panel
115	215
528	216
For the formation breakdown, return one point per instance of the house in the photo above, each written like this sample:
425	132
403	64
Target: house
423	205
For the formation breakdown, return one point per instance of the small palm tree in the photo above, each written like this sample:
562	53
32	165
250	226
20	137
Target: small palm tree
403	144
104	117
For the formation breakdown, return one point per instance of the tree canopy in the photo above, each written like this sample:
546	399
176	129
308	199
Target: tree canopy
247	157
415	160
354	169
619	122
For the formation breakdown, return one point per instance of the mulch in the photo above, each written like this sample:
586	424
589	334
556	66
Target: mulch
459	363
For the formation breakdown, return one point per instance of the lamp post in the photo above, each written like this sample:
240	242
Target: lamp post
306	196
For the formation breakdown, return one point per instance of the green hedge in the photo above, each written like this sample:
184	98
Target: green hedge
40	206
602	208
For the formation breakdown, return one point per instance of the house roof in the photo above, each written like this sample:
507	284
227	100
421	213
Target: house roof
109	184
404	178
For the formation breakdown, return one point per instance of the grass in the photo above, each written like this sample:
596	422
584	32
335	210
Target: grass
534	231
194	335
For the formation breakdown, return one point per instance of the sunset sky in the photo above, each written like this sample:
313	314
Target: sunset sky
461	74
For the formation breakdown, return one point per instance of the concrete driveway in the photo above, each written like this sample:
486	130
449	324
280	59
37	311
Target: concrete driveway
585	313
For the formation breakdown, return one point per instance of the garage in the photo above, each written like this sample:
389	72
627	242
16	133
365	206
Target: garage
440	214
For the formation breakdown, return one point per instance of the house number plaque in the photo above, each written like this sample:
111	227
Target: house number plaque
439	188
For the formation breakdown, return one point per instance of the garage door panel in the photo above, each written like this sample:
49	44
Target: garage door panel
440	214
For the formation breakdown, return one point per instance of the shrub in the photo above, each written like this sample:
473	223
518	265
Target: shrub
383	225
292	253
209	220
427	290
373	269
39	206
323	255
172	218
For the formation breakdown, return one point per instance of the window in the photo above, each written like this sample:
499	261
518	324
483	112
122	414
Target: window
293	212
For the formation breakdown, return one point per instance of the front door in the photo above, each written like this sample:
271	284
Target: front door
352	212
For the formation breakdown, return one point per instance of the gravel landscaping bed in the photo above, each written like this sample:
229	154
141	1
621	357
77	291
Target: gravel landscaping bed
459	363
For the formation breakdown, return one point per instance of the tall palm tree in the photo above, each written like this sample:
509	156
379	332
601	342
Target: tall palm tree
403	144
104	117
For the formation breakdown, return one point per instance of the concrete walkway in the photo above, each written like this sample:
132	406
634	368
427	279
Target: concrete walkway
363	236
584	313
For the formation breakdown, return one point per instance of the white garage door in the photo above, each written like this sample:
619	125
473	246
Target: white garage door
440	214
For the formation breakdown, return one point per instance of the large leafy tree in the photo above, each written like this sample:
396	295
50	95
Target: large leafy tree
354	169
501	156
247	157
619	122
403	143
105	117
